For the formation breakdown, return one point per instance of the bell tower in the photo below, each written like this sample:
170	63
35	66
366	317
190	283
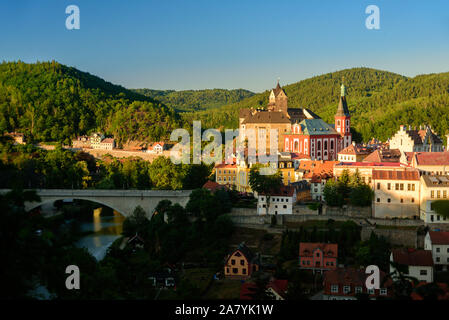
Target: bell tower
343	119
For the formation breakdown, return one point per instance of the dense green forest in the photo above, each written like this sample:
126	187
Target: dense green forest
196	100
379	101
52	102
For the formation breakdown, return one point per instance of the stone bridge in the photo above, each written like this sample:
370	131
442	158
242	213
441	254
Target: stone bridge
123	201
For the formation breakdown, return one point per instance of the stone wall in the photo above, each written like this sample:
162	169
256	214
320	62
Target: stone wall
397	237
349	211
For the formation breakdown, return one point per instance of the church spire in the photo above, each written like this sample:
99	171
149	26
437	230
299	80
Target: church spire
343	88
342	109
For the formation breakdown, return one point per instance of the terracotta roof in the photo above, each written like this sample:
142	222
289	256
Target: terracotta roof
439	237
384	155
412	257
320	170
107	140
351	276
442	295
284	191
432	158
214	186
369	164
279	286
418	136
395	175
267	117
226	165
306	249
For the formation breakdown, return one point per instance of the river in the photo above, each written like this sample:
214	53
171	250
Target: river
106	229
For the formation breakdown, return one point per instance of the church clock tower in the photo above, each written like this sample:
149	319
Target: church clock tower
343	120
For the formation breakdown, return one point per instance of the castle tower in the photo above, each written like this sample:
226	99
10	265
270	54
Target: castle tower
343	119
277	99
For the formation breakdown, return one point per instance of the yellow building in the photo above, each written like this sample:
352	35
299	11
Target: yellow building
226	173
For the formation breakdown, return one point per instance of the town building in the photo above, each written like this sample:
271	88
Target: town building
95	140
436	163
433	188
396	193
413	140
276	287
157	148
280	202
318	257
384	155
226	173
354	153
347	283
319	174
365	169
241	263
18	137
437	242
107	144
81	142
419	263
298	130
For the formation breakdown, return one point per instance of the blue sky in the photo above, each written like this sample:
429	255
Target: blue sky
198	44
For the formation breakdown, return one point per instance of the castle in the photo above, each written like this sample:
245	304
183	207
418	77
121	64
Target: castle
298	130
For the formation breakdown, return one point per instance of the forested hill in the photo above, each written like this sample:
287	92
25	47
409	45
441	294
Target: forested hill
49	101
379	101
196	100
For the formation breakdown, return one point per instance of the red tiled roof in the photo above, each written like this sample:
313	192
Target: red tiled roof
245	290
108	140
432	158
213	186
351	276
412	257
439	237
225	165
329	249
284	191
444	295
395	175
279	286
384	155
370	164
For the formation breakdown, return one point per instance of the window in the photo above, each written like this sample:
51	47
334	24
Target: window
244	271
413	200
389	186
227	270
371	291
422	272
346	289
401	186
383	291
432	194
409	187
285	207
235	270
413	189
438	259
438	249
334	288
358	289
378	186
378	199
438	194
233	262
396	186
402	200
317	254
389	200
242	262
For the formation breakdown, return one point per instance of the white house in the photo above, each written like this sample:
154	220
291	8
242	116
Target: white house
414	140
281	202
419	263
157	148
433	188
437	242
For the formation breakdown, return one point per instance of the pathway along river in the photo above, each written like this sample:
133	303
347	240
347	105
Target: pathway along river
105	230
